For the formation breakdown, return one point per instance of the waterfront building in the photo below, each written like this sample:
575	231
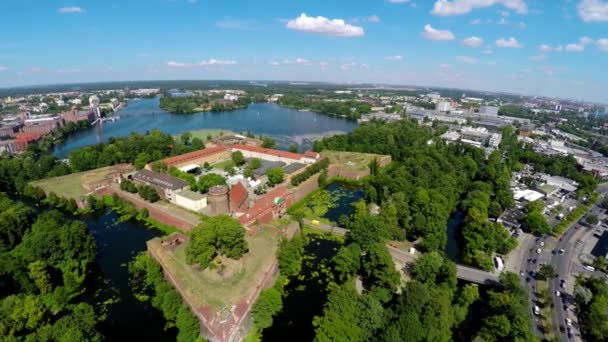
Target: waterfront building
166	186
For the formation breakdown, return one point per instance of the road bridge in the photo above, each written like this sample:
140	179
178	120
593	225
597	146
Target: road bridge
465	273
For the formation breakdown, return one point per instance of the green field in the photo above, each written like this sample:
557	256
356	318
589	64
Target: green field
73	185
204	133
220	287
351	160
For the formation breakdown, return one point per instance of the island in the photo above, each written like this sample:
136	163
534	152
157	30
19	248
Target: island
206	101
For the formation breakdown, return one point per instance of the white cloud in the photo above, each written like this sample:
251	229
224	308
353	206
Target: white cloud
393	58
302	61
398	1
72	9
473	42
208	62
445	66
213	61
575	47
348	66
538	58
487	52
502	21
458	7
602	44
548	48
508	43
434	34
522	25
467	59
274	63
593	10
322	25
585	40
143	55
3	68
476	21
373	19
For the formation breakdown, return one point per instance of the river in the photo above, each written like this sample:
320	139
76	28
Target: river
286	126
117	244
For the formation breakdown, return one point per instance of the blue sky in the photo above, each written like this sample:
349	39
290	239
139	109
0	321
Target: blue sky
544	47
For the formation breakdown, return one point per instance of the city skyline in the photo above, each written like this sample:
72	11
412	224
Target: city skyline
494	45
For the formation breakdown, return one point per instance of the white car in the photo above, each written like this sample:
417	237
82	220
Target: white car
538	251
568	322
536	310
557	293
542	244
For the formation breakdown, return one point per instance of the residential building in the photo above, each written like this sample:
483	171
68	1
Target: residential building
190	200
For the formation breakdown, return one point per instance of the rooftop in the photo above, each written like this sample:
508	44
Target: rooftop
187	157
268	151
191	195
159	179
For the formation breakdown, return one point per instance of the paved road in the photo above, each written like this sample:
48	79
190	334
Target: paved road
565	265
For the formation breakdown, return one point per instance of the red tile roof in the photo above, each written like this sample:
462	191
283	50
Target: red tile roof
238	194
184	158
269	151
29	136
263	204
311	154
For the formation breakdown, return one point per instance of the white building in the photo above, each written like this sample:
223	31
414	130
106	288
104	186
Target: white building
94	104
190	200
488	110
443	106
231	97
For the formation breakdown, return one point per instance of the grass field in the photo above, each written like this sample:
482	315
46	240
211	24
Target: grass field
351	160
73	185
204	133
237	281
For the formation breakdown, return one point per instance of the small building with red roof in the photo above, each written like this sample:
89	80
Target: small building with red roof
238	195
208	155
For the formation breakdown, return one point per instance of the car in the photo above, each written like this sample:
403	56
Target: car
563	284
538	251
589	268
542	244
528	279
565	307
521	273
561	251
536	310
557	293
534	261
568	322
570	334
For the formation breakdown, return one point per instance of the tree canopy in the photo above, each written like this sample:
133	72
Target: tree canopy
219	235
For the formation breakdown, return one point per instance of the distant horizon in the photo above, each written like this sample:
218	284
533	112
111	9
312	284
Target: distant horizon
296	83
555	49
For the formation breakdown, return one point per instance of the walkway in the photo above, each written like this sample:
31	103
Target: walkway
462	272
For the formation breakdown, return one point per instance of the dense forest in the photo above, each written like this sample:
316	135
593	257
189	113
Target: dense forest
347	109
45	264
195	104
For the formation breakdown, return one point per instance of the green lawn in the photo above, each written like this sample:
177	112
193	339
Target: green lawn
222	165
351	160
73	185
237	281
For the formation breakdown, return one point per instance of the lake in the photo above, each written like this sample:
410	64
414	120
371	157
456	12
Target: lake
344	196
117	244
286	126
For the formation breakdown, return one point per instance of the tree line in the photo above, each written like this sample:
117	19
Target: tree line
348	109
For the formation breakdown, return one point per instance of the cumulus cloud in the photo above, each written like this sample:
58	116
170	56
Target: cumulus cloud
585	40
373	19
487	52
602	44
549	48
459	7
476	21
325	26
508	43
575	47
473	42
72	9
538	58
435	34
467	59
593	10
208	62
393	58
